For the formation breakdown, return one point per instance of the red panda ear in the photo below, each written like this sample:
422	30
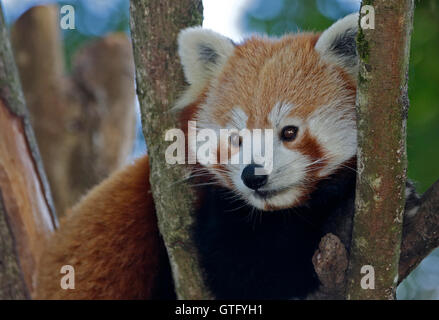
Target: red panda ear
337	44
203	54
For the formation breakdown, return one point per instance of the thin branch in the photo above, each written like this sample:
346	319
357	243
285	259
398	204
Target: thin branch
420	232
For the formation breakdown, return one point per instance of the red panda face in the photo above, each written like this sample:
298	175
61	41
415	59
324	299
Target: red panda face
301	88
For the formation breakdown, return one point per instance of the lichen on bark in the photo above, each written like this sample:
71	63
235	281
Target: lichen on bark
154	26
380	195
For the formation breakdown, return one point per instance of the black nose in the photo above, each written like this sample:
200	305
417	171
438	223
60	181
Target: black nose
252	180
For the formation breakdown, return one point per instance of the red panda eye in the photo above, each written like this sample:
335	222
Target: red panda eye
235	140
289	133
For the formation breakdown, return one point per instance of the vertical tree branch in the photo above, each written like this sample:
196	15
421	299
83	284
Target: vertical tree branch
85	122
155	25
27	215
382	107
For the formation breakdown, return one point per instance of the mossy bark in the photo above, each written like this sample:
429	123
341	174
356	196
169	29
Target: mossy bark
155	25
27	214
382	106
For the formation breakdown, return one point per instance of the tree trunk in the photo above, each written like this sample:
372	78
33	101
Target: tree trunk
382	106
155	25
27	215
84	123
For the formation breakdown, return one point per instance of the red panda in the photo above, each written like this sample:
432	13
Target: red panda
255	234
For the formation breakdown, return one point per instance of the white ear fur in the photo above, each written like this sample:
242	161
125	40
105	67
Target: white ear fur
203	53
337	44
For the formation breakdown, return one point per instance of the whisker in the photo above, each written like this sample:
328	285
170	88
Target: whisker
204	184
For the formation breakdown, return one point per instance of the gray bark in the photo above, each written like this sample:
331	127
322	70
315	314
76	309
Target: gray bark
155	25
27	214
382	105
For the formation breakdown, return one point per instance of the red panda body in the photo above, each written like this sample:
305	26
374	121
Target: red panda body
111	240
255	236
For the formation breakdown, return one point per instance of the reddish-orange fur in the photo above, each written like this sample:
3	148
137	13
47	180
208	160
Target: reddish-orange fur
112	241
111	236
263	72
290	69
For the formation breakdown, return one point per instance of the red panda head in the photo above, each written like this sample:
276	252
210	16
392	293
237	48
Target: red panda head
300	86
